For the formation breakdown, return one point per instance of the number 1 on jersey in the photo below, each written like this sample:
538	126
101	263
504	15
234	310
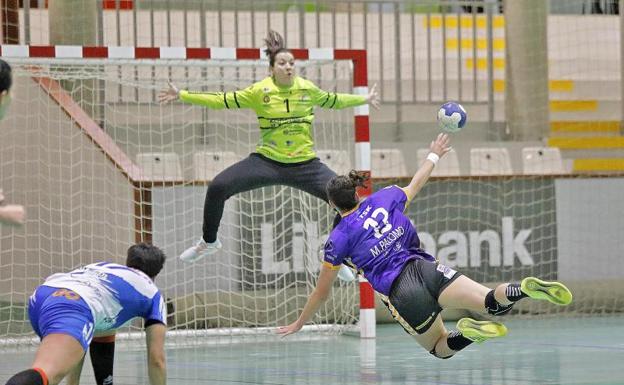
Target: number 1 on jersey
287	105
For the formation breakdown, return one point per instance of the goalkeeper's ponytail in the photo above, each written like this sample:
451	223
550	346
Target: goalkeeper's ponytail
341	189
275	44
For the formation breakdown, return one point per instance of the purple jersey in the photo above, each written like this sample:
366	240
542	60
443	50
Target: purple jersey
377	238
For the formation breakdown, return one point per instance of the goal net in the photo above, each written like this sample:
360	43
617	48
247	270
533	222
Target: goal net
100	164
532	194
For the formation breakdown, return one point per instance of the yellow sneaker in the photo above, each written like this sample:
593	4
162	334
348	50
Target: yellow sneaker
479	331
553	292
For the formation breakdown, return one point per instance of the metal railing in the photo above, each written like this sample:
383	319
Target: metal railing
419	51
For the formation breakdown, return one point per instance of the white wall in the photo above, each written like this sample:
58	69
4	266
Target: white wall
590	228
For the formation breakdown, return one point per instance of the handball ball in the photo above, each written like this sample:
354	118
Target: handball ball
451	117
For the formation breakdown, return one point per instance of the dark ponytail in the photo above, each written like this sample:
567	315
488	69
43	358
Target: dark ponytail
275	44
341	189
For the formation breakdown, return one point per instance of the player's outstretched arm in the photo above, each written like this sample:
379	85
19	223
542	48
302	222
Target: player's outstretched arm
438	148
337	101
169	94
317	298
373	97
156	366
245	98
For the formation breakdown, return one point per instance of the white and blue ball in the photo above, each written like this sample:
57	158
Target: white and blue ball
451	117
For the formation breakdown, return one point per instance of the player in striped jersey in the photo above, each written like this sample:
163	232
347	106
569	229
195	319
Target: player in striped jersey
378	239
284	104
68	309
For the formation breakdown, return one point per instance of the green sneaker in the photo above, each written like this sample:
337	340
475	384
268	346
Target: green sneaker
554	292
479	331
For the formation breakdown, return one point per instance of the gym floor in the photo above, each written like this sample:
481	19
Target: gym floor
565	351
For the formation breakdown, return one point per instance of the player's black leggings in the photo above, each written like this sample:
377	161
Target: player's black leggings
258	171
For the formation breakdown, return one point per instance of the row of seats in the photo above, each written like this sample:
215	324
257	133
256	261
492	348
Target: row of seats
385	163
165	166
390	163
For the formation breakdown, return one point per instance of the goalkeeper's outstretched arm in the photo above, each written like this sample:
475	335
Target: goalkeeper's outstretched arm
334	100
215	100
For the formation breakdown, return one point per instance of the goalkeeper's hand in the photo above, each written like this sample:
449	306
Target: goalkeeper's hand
170	94
373	97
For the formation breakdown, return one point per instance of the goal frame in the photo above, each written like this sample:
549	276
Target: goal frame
142	185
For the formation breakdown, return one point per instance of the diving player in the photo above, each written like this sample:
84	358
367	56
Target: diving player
284	103
69	308
377	238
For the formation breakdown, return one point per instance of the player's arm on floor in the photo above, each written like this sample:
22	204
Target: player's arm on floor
438	148
317	298
336	249
156	364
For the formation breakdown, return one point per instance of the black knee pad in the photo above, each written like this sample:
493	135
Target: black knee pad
493	307
27	377
435	354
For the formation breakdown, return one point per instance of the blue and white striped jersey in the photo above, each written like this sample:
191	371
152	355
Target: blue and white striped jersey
115	294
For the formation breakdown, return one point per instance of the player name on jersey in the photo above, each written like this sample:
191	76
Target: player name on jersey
385	244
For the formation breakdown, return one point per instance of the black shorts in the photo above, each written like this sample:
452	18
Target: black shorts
413	299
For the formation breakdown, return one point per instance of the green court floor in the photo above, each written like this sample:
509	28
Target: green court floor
566	351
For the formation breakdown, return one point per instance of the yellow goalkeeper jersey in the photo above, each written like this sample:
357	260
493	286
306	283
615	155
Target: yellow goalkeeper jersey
285	114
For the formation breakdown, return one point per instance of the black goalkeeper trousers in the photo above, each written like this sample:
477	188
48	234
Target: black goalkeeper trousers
257	171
